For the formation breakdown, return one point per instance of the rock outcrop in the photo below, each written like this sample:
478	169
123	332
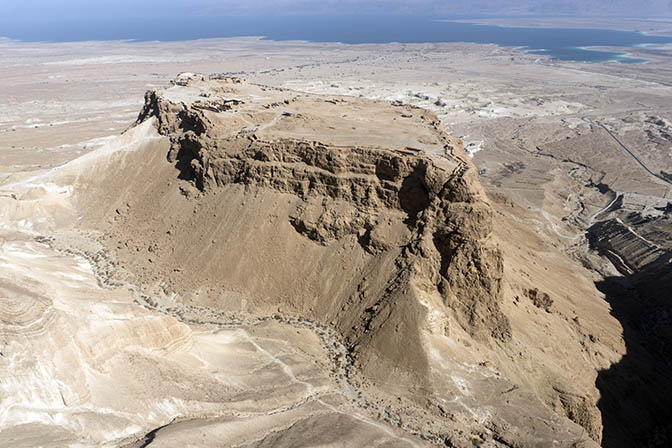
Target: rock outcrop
354	191
363	217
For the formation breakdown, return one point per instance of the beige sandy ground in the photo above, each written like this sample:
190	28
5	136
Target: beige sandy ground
529	130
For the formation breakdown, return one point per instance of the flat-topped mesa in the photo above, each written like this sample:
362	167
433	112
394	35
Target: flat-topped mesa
386	178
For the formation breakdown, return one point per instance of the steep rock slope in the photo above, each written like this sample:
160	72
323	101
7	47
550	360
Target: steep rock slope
358	215
400	215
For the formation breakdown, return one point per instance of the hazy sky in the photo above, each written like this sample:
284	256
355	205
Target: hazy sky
31	9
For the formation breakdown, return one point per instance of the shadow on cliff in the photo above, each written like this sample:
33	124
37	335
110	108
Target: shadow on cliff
636	393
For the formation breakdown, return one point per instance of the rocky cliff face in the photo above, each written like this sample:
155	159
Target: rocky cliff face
355	191
355	215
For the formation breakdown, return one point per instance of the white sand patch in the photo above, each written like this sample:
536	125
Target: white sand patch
495	112
462	385
472	147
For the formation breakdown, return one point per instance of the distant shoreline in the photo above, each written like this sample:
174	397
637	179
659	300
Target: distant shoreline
625	24
574	40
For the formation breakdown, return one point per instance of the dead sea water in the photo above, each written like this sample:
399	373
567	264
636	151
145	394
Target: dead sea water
558	43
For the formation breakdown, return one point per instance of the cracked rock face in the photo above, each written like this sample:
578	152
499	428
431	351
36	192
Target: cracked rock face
358	192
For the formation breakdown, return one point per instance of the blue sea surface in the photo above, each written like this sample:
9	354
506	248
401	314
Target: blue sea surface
566	44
